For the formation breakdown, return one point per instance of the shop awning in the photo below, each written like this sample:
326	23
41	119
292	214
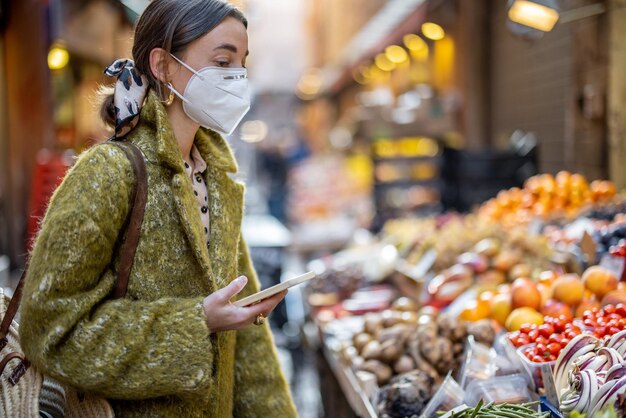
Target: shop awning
394	20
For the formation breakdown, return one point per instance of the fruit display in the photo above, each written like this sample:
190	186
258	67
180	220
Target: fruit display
545	196
609	320
543	343
535	276
501	248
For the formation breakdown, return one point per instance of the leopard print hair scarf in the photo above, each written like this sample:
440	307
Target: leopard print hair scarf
130	91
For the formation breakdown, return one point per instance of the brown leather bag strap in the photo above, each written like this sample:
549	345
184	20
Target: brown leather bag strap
133	229
14	305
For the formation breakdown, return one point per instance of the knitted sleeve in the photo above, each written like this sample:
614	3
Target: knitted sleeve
261	389
71	329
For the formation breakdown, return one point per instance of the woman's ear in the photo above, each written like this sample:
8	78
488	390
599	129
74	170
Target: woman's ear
159	63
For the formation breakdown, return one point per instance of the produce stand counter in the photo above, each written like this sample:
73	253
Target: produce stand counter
356	397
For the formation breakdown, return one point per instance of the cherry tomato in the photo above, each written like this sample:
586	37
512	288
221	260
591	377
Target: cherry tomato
600	332
587	314
526	328
620	309
560	325
609	309
564	342
555	338
552	357
589	322
533	334
554	348
540	349
537	359
541	340
523	340
546	330
614	330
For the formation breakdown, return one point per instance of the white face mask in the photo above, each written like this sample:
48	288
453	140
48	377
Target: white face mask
216	98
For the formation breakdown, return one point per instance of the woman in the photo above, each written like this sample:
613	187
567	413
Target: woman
174	346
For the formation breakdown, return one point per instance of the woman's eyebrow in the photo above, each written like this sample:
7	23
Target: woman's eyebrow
229	47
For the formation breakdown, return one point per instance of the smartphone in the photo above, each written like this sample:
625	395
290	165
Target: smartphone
271	291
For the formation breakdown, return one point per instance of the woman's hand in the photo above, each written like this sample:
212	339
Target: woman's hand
221	315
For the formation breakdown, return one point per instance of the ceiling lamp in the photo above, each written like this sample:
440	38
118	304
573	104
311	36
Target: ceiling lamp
58	57
414	42
384	63
541	15
433	31
396	54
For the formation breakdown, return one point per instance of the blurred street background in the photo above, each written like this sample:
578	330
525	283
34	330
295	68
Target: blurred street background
363	111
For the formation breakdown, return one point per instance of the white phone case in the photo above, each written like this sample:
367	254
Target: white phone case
270	291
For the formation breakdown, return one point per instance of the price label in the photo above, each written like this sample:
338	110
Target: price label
613	264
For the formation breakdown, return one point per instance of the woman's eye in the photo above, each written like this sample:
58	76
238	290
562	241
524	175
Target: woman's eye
223	64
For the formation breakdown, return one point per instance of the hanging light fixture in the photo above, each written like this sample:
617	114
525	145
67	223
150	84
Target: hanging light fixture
433	31
58	56
540	15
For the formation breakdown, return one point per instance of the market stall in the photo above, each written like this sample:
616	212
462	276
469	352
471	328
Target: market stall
515	309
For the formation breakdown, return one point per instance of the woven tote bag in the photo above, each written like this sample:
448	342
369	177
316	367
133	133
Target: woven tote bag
25	392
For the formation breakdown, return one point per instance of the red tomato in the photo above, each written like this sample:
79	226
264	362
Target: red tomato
600	332
537	359
614	330
590	322
541	340
546	330
554	348
560	325
533	334
609	309
620	309
564	342
523	340
540	349
555	338
526	328
552	357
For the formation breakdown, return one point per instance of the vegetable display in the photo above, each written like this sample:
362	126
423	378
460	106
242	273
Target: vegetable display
506	410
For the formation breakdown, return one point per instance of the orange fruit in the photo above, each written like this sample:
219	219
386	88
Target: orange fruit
521	316
568	289
501	307
476	310
599	280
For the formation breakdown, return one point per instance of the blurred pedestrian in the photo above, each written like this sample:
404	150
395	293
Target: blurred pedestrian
174	346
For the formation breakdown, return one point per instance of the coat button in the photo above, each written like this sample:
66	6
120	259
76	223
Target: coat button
204	209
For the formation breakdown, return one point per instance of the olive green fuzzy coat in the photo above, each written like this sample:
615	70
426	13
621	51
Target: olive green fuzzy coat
151	353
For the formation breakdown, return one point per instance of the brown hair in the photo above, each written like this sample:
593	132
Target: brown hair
171	25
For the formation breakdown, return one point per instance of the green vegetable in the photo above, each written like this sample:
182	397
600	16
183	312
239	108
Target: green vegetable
505	410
